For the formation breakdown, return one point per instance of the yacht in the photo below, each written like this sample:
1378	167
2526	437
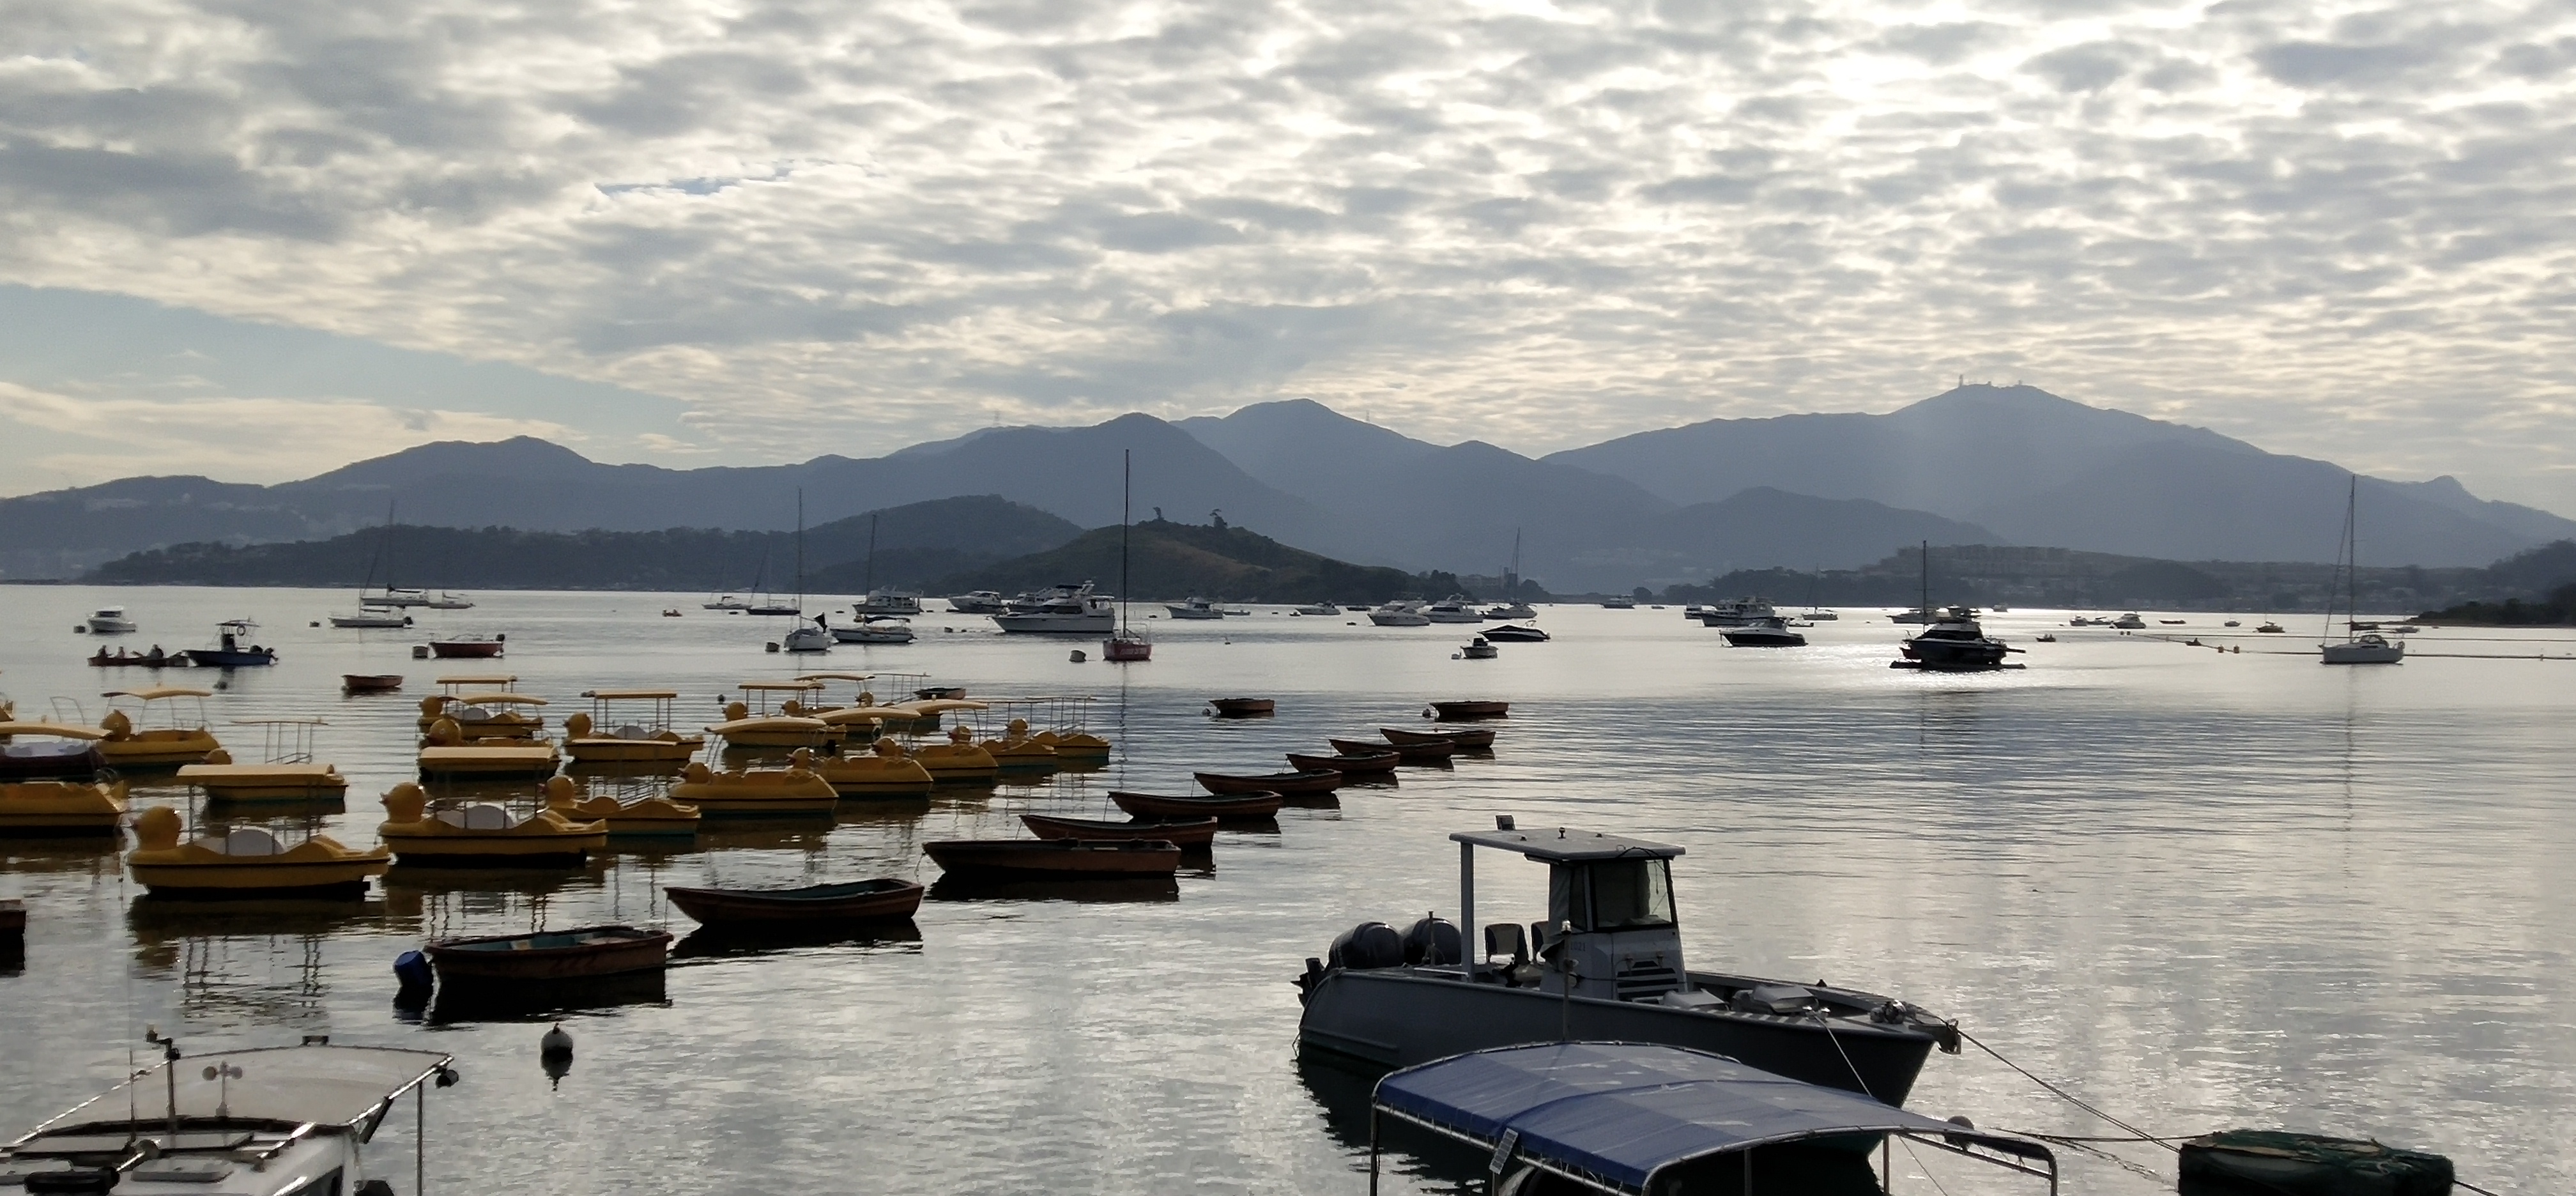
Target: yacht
2362	643
110	620
394	596
980	602
1400	612
1515	633
447	601
1618	604
1909	617
1953	643
372	618
1821	615
1319	608
2129	622
1607	965
887	602
1510	610
267	1119
1737	612
1195	608
725	602
874	629
1765	633
1453	609
1064	610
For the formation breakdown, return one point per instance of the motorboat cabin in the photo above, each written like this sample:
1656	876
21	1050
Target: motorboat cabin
1606	964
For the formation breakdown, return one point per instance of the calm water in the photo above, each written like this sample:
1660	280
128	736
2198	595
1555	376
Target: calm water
2200	889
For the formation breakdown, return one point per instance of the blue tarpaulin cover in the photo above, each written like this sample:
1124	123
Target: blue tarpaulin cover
1618	1111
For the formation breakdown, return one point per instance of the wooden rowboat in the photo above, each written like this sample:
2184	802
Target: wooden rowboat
1249	807
1187	832
1480	708
852	901
1371	762
1477	738
1413	753
1055	857
1285	784
581	954
370	683
1243	707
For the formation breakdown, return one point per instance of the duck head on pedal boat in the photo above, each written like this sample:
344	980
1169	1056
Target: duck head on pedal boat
1610	969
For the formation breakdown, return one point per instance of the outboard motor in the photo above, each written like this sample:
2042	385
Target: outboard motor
1433	941
1366	946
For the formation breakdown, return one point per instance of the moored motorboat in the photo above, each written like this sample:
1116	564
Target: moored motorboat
246	862
468	646
229	652
1612	969
1243	707
1764	633
1316	608
1400	612
1479	648
582	953
1952	643
979	602
1420	752
1471	708
372	619
1514	633
1195	608
881	899
1064	610
1054	857
1185	832
1243	808
1465	737
1747	611
110	620
1285	784
1456	608
1348	765
482	834
875	629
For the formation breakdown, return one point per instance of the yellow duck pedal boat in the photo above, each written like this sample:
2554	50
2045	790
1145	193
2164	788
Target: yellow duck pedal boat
159	747
887	771
1017	751
796	789
585	741
223	780
643	816
482	834
959	759
448	755
248	862
485	715
1075	745
30	809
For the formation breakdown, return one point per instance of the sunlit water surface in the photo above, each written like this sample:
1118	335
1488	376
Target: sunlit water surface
2201	889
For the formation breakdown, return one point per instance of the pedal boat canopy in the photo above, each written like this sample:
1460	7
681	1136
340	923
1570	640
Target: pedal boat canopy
1620	1117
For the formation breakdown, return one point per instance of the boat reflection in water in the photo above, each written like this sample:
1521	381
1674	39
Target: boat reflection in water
1120	890
898	935
532	1001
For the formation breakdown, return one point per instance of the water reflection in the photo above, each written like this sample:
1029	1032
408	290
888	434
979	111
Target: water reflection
735	942
544	1000
1131	889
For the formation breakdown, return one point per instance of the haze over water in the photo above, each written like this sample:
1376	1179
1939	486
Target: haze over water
2202	890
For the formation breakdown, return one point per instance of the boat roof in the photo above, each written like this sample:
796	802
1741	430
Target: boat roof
479	679
943	705
780	685
1615	1114
1564	845
868	714
158	692
775	722
316	1084
630	695
58	730
836	676
500	700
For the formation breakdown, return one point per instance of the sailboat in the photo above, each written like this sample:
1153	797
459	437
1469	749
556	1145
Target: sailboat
875	602
369	614
1126	643
1951	640
818	637
1512	606
2366	647
763	602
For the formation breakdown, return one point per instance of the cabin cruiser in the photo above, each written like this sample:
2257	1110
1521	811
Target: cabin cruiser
1400	612
110	620
1954	643
887	602
2129	622
1510	610
1821	615
1195	608
1317	608
1916	616
1514	633
447	601
1479	648
1607	966
875	629
1737	612
980	602
266	1120
1065	610
1453	609
1618	604
1764	633
395	597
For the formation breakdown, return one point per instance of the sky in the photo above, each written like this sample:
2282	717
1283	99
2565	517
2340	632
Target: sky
257	240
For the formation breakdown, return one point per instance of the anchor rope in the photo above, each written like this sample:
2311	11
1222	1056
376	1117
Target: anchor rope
2069	1097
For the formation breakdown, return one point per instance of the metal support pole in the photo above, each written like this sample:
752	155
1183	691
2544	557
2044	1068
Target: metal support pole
1372	1145
1470	938
420	1140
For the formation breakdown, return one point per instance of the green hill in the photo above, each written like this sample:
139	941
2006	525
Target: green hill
915	544
1177	560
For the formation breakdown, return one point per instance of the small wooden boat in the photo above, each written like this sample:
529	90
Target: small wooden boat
1243	707
580	954
370	683
1187	832
1466	738
1285	784
1371	762
1476	708
1248	807
1055	857
467	647
851	901
1412	753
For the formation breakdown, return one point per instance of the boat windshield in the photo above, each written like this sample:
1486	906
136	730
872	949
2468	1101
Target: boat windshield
1612	894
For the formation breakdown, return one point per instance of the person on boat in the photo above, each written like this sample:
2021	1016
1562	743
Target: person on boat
229	645
155	655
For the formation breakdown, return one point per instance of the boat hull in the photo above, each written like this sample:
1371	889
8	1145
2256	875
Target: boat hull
1409	753
1756	638
464	649
570	955
1090	624
1448	711
633	751
1246	808
1243	707
246	879
1182	832
538	761
370	683
1285	784
266	782
765	795
60	809
1054	857
876	776
1396	1018
1126	650
861	901
1374	762
217	658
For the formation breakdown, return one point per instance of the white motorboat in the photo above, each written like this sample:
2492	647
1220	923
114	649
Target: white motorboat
448	601
1510	610
372	618
816	638
725	602
110	620
1737	612
1821	616
875	629
1064	610
887	602
1768	633
1195	608
2129	622
1479	648
1401	612
1317	608
1618	604
393	596
1453	609
268	1119
980	602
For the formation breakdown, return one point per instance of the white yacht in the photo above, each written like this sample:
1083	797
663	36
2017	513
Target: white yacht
1737	612
816	637
1510	610
372	618
887	602
2129	622
980	602
448	601
110	620
1400	612
875	629
2362	643
395	596
1065	610
1453	609
272	1119
1195	608
1319	608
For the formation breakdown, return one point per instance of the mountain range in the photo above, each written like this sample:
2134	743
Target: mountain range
1974	465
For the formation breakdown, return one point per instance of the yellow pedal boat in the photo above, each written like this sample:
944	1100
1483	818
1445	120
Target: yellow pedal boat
796	789
447	755
959	759
485	715
482	834
168	745
288	773
600	737
248	862
772	731
1018	751
643	816
60	808
886	771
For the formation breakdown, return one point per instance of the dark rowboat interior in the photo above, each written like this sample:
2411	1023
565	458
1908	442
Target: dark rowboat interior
1187	832
1285	784
1371	762
846	901
1243	707
1056	857
1438	749
1228	808
1471	709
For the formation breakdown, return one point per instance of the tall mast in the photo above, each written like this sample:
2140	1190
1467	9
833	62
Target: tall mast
1126	493
1926	609
872	554
800	552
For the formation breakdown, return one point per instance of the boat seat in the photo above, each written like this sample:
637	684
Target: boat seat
470	714
1504	938
248	840
635	731
477	818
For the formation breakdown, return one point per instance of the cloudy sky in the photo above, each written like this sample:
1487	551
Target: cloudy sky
258	239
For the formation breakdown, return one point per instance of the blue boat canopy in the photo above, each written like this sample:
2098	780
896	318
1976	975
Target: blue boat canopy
1613	1115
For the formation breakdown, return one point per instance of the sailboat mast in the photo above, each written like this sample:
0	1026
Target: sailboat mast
1925	610
872	554
1126	495
800	552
